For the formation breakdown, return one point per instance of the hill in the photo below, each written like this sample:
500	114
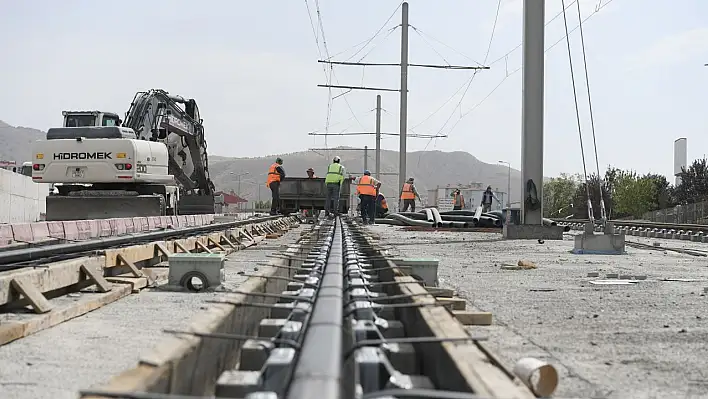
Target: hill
15	142
429	168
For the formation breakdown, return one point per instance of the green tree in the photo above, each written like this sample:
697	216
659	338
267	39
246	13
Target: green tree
558	194
633	195
694	183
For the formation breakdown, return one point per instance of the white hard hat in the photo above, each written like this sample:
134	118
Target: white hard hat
336	158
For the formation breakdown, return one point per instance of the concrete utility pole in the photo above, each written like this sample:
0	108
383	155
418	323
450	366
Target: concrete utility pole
366	157
532	108
378	138
404	97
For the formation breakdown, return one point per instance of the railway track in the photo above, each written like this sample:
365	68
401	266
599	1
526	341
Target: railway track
686	232
34	281
332	318
39	254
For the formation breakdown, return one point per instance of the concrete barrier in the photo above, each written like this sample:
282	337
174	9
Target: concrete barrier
23	201
77	230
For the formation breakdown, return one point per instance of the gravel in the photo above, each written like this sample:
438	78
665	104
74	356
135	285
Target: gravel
89	350
640	340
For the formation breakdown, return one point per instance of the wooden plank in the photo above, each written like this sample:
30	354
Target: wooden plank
52	277
97	278
11	331
469	318
456	303
169	367
457	366
136	283
39	303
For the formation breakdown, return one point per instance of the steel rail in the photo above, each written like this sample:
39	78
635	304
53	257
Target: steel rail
32	254
646	224
318	368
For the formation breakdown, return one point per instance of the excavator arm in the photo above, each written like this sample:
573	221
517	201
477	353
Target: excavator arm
155	115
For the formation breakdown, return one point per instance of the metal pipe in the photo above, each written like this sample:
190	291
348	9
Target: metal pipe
410	222
478	213
436	217
415	215
458	213
31	254
459	224
429	215
392	222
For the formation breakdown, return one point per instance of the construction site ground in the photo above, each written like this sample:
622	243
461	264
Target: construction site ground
87	351
640	340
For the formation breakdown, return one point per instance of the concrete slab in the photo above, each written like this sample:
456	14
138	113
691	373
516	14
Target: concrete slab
645	339
89	350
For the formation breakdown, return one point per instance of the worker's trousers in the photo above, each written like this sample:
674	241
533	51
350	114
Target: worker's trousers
332	199
275	198
486	207
368	208
407	203
457	208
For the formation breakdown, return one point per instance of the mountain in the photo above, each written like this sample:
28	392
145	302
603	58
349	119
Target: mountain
15	142
429	168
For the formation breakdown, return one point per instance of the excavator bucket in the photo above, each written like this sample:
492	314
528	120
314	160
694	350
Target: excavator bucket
80	208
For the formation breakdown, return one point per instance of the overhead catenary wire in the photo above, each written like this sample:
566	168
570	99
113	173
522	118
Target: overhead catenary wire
577	114
603	215
509	74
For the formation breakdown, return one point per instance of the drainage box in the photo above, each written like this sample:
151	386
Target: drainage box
422	269
184	268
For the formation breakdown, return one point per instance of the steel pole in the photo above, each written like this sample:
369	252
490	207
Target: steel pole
404	100
532	110
378	138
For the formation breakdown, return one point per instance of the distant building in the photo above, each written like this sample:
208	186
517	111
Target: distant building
231	202
441	196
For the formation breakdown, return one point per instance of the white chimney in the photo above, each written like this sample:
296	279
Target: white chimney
680	158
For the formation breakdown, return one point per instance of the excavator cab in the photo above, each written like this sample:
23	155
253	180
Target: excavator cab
90	119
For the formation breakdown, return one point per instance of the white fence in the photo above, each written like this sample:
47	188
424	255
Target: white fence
21	199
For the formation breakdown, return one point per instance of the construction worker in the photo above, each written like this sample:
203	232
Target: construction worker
276	174
487	197
311	174
381	206
458	200
367	188
408	195
333	184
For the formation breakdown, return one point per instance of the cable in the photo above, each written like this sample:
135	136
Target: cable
446	45
521	67
603	216
328	78
577	114
390	31
520	44
377	32
469	84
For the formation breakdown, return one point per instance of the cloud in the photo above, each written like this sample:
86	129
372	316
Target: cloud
671	50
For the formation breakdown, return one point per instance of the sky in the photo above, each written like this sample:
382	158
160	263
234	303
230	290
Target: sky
252	68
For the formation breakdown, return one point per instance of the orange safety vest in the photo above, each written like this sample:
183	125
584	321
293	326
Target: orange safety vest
273	174
366	186
407	193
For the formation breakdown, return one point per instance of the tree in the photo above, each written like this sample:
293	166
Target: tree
558	193
694	183
594	184
633	195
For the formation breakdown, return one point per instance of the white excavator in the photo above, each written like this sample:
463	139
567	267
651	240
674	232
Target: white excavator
153	164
